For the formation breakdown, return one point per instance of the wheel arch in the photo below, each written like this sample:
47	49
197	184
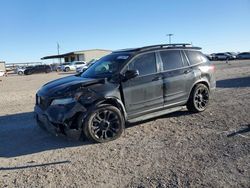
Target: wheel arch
114	102
202	81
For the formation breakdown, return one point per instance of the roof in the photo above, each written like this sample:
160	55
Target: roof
72	53
160	46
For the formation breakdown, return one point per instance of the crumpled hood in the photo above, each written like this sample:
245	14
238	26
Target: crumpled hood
66	84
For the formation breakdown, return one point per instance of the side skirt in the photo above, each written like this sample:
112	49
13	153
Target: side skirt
156	114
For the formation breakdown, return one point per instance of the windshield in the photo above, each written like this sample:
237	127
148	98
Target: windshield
106	66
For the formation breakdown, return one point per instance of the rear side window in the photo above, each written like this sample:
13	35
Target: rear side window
196	57
171	59
145	64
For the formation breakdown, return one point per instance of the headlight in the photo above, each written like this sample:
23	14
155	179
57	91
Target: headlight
86	97
63	101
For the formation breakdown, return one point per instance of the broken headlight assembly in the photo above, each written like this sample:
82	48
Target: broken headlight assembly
85	97
63	101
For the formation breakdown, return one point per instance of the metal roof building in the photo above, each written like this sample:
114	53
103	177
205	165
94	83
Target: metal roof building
84	55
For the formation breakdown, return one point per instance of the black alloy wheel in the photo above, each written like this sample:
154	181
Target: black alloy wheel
199	98
105	123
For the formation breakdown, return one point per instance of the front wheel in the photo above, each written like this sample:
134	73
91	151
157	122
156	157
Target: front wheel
104	123
198	99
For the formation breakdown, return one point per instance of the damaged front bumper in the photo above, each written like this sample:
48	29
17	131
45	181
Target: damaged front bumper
61	119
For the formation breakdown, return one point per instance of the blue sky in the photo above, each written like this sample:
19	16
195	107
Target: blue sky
30	29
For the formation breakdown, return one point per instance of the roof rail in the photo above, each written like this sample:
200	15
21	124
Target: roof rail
178	45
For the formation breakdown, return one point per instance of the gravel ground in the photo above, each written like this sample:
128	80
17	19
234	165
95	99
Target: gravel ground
209	149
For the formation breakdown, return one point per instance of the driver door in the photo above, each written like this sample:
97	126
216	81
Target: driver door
144	92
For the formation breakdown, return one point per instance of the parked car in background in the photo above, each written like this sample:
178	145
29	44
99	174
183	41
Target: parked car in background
20	70
209	56
37	69
54	66
82	68
244	55
73	66
60	67
85	67
223	56
233	54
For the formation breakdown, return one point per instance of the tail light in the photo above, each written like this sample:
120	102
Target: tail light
207	68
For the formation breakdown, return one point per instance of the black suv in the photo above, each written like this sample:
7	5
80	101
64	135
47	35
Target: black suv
37	69
128	85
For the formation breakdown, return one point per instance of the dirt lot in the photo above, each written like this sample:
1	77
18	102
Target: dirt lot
209	149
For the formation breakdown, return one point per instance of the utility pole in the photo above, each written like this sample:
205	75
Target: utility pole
169	37
58	53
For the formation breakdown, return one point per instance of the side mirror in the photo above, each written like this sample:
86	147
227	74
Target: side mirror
129	74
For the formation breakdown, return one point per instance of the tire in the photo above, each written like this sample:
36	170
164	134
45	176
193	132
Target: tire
198	99
20	73
104	123
67	69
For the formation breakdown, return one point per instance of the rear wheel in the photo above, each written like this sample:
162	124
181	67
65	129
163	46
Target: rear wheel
199	98
104	123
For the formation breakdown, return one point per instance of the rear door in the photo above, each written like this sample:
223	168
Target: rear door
144	92
177	77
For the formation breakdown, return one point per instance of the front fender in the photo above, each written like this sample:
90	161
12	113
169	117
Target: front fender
115	102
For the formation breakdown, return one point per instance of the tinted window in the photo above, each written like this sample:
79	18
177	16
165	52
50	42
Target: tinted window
171	59
145	64
196	57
